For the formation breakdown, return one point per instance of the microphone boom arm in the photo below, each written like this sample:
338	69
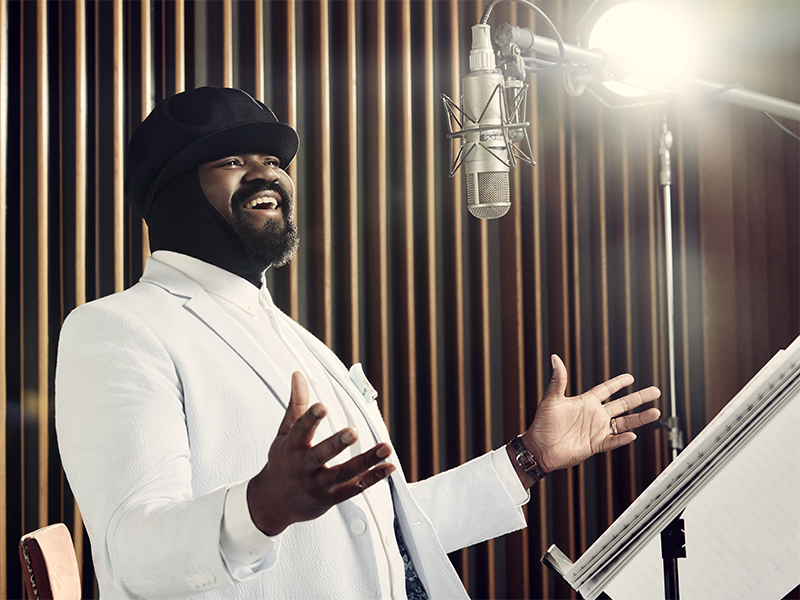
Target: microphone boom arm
599	64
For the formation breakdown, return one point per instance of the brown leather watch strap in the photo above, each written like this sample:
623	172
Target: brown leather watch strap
525	459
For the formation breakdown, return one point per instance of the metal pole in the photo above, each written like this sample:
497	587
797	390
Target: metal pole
665	144
673	540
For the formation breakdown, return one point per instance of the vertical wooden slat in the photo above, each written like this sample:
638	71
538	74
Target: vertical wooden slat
781	245
3	291
564	485
718	252
574	475
517	573
95	169
577	498
227	43
292	119
539	519
43	267
430	243
119	149
625	197
323	205
683	275
81	123
408	361
485	354
653	283
163	66
513	371
146	95
258	49
604	347
146	58
180	46
542	360
351	198
382	211
485	379
563	197
81	100
457	265
20	295
745	232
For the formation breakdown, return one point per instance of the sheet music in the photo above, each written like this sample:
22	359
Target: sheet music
742	529
737	426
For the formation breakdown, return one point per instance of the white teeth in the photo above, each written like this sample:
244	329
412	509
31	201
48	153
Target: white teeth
270	202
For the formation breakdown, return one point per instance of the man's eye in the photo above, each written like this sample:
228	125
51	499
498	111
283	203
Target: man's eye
273	162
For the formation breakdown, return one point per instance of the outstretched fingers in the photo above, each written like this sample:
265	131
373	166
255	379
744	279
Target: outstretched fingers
633	421
613	442
361	472
622	422
632	401
302	431
352	476
604	391
329	448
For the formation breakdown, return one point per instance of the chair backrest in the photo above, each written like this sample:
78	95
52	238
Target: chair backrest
49	566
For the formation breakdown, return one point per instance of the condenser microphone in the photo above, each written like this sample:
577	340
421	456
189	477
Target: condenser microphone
485	144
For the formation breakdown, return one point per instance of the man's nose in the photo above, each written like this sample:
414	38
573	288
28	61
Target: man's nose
267	172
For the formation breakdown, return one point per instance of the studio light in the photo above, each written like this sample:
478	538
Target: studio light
654	44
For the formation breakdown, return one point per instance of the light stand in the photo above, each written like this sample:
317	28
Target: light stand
665	176
673	537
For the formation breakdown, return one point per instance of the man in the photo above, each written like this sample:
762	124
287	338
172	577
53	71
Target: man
214	445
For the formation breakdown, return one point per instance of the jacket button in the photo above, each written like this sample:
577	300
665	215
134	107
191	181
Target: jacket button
358	527
201	580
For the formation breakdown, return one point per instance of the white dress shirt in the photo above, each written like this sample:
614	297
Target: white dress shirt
242	543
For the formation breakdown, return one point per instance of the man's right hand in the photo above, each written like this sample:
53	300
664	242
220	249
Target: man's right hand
296	484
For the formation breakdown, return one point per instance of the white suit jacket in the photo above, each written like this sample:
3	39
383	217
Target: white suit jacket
163	402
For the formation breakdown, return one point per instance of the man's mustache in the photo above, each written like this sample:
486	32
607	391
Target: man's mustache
248	190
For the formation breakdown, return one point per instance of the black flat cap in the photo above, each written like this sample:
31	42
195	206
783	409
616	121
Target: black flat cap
198	126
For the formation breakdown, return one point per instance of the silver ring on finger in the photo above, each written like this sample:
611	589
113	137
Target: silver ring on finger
614	427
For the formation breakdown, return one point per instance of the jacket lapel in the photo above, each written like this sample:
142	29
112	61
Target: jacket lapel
206	310
339	372
199	304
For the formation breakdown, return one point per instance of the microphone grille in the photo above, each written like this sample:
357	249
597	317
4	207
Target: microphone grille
488	194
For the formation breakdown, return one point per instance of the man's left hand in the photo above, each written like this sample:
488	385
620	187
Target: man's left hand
567	431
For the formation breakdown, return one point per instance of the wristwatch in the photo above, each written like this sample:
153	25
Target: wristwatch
525	459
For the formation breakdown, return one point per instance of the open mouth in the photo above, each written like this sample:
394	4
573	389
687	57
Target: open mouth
262	202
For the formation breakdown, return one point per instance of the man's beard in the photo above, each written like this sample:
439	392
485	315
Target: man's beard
275	242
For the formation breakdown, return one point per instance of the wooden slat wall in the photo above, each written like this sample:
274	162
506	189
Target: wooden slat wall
454	319
4	422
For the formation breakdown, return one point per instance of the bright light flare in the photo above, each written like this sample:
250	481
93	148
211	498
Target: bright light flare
654	42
